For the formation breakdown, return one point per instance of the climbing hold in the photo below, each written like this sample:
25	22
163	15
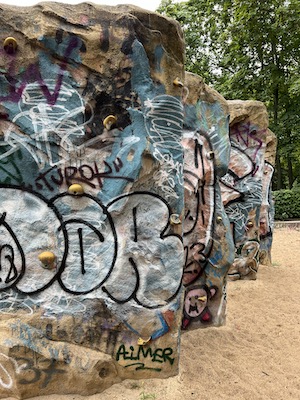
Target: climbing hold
250	224
10	45
202	298
142	342
210	155
177	82
175	219
109	121
76	189
201	257
206	317
219	219
47	258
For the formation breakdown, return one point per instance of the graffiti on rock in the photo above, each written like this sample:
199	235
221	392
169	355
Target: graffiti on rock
247	135
107	243
199	182
196	304
95	240
90	175
266	217
241	189
207	236
246	262
136	354
87	245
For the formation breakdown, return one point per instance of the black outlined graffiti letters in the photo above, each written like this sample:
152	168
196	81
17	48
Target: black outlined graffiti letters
20	247
151	252
242	185
207	237
91	246
94	253
199	199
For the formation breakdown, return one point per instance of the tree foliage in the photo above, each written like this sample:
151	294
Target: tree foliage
249	49
287	204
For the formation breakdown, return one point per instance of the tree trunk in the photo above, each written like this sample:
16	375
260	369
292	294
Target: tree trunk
289	162
275	114
290	171
278	173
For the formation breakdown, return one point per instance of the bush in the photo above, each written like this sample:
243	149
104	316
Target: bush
287	204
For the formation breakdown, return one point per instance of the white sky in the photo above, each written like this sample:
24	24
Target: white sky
147	4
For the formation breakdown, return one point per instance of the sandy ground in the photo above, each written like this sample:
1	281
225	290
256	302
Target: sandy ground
256	356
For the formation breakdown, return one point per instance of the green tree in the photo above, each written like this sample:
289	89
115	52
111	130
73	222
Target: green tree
249	49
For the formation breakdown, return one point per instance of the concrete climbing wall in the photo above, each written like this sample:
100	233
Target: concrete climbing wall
118	218
92	199
209	248
242	186
267	210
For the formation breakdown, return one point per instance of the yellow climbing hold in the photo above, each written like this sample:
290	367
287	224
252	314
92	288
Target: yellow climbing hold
202	298
109	121
142	342
10	45
177	82
76	189
175	219
47	258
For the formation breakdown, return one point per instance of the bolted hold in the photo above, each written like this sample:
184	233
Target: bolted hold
219	219
210	155
175	219
47	259
202	298
143	342
109	121
177	82
201	257
10	45
250	224
76	189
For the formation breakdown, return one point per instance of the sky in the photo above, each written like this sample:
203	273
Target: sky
147	4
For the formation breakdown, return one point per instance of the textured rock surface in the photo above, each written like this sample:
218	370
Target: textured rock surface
207	235
95	235
242	185
267	210
91	273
